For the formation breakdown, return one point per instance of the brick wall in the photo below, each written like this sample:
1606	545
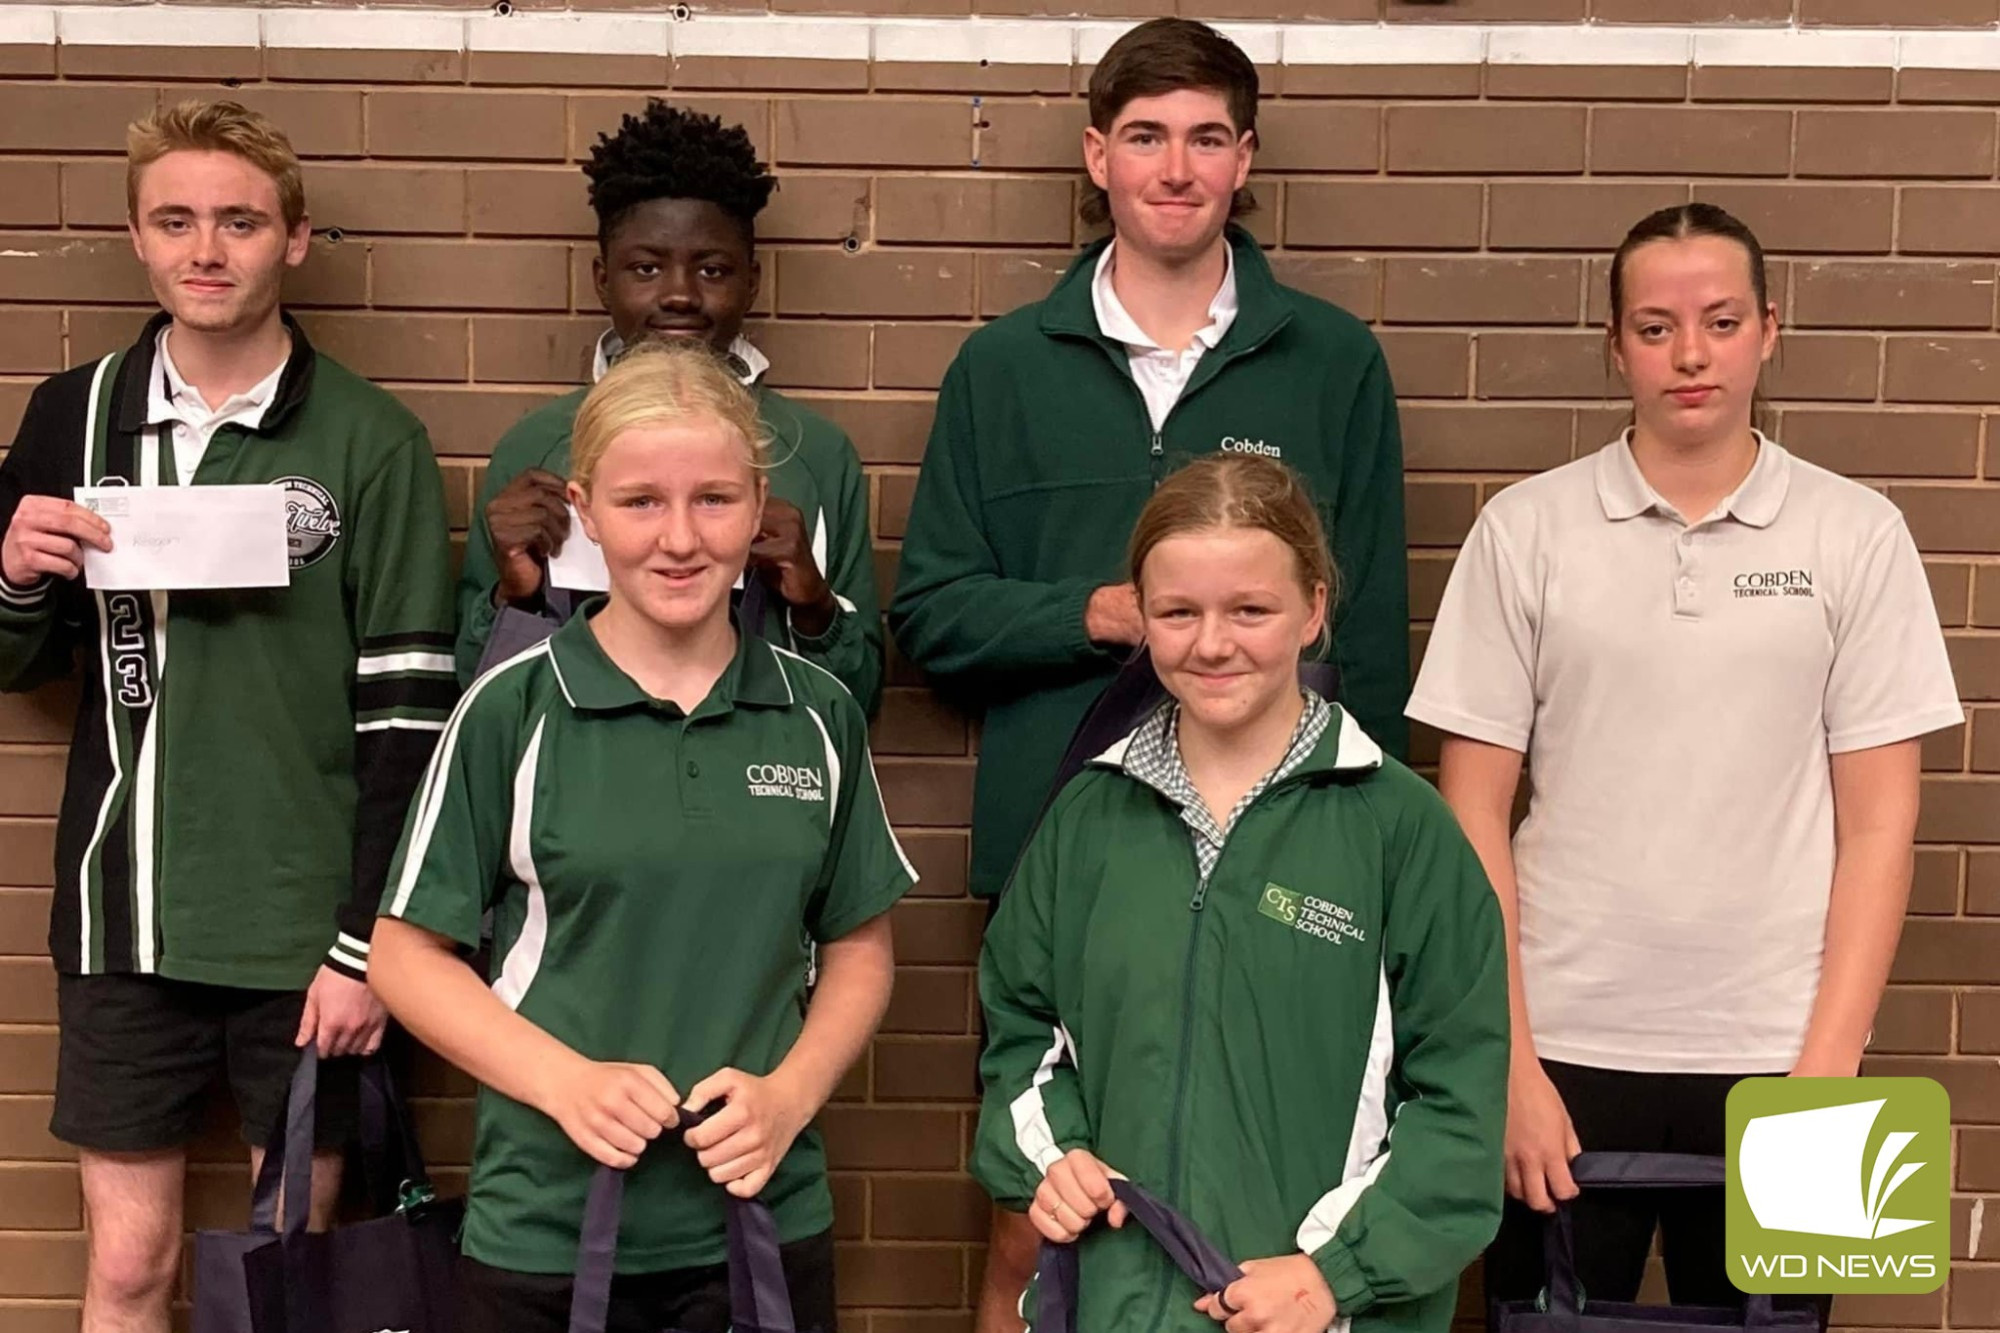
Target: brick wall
1463	206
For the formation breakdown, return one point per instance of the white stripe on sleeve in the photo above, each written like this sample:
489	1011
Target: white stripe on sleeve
383	664
524	956
430	797
1367	1142
1033	1134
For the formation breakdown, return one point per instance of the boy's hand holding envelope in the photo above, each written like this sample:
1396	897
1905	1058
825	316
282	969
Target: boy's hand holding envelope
47	538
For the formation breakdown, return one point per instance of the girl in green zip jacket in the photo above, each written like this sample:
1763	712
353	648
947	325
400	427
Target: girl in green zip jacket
1250	962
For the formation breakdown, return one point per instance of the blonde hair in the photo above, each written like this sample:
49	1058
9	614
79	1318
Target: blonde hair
663	384
1244	492
216	127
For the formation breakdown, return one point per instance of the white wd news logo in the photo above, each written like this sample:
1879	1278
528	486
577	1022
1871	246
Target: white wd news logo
1802	1172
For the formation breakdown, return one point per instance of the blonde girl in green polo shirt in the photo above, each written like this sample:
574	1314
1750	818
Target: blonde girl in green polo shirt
664	817
1716	660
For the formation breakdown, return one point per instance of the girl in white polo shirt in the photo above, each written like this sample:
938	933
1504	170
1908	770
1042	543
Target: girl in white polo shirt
1717	659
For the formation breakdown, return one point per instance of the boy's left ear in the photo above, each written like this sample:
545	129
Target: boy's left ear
299	244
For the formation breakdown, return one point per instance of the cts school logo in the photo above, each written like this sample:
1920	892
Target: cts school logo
312	520
1309	915
801	784
1838	1184
1773	583
1232	445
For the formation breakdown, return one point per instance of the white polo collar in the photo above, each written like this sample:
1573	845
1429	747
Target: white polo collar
169	397
1116	323
753	362
1625	493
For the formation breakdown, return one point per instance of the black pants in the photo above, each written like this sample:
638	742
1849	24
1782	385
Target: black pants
1617	1111
681	1300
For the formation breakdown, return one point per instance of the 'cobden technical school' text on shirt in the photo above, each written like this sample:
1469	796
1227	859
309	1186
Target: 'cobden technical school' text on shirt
243	756
1678	688
655	878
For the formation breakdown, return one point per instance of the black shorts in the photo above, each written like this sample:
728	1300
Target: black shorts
685	1300
136	1055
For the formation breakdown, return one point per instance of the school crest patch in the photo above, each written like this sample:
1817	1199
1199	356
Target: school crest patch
312	521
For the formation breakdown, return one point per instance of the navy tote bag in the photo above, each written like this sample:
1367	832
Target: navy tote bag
1565	1307
392	1272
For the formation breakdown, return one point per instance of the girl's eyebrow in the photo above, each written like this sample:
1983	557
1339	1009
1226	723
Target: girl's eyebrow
1708	309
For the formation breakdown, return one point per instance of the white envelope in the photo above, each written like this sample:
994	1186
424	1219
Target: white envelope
579	566
175	537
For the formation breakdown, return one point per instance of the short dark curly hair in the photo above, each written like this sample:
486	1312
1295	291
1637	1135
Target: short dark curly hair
669	152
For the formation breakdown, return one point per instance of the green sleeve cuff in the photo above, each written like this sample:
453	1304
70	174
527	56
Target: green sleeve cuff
837	629
1352	1292
1075	606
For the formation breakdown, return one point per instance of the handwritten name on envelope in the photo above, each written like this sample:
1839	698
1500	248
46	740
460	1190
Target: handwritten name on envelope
165	538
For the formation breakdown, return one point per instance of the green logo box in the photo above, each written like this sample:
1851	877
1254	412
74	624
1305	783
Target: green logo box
1280	904
1839	1185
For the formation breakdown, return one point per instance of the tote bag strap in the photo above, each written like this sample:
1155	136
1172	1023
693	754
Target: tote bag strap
1565	1295
1192	1253
758	1299
391	1157
288	1156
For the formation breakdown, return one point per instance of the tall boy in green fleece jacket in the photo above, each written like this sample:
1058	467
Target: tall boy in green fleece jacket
1170	341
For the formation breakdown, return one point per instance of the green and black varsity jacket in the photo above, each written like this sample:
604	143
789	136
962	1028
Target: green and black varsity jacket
242	758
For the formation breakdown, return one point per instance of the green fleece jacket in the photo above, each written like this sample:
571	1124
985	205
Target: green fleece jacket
1305	1052
816	469
1041	456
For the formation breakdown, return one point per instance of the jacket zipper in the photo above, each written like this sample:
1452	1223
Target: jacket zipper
1173	1181
1176	1187
1157	453
1173	1176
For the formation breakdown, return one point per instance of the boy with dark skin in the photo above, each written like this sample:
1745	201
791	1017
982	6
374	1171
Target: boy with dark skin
676	195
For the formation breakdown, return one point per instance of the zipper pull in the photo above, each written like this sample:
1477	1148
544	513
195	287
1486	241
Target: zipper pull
1200	894
1159	451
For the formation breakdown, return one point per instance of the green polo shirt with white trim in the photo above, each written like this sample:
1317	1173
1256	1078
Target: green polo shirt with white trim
656	880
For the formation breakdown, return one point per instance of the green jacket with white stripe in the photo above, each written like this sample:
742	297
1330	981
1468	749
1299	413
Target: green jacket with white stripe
1307	1051
242	758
